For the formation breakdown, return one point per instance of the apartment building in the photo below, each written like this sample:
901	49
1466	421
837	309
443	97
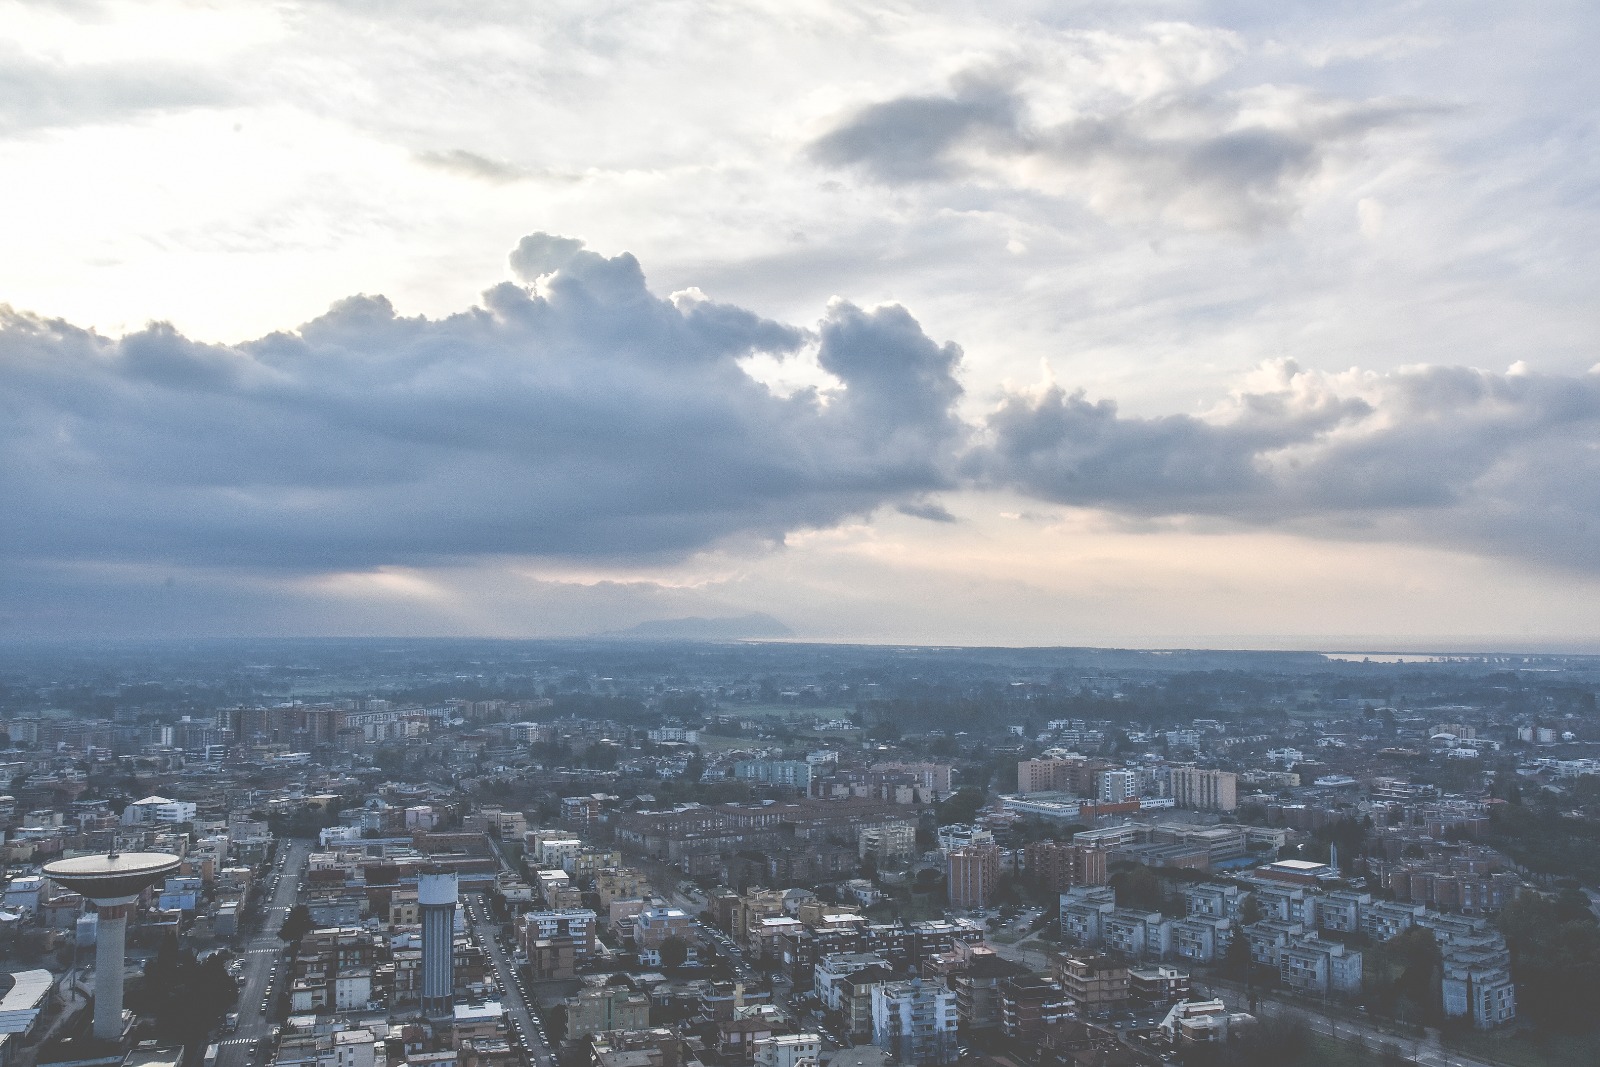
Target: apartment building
1318	967
1201	939
1205	790
653	926
575	923
1055	866
1031	1005
915	1022
1083	913
1137	934
601	1008
891	847
972	874
1208	901
829	973
1092	983
788	1050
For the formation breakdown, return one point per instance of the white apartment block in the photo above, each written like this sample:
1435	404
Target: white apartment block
787	1050
915	1022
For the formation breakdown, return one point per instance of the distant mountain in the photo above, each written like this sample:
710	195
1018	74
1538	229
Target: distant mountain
733	628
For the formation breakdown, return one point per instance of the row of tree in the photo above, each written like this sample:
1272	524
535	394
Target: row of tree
187	997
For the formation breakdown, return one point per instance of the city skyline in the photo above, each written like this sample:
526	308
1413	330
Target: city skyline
1145	325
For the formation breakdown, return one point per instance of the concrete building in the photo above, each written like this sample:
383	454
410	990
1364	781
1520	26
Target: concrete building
20	1005
606	1008
654	925
1083	914
1030	1006
1055	866
1115	785
829	973
1313	966
1137	934
972	874
788	1050
1205	790
1091	983
576	923
1157	985
1202	1022
153	810
915	1022
795	774
1210	901
1201	938
892	847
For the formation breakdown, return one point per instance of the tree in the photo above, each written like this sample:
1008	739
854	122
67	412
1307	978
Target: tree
296	924
1137	887
960	807
187	998
1423	970
1236	960
674	953
1249	911
1556	963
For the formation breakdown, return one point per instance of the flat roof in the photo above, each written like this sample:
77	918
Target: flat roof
490	1010
28	988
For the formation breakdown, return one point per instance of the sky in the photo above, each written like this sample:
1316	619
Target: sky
1167	324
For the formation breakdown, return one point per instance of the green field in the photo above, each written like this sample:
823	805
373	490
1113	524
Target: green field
756	711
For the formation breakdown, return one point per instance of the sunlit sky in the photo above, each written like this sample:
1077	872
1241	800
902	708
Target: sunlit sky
1193	324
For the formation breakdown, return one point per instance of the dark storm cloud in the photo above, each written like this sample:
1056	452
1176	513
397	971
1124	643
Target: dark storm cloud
1200	158
583	417
1507	464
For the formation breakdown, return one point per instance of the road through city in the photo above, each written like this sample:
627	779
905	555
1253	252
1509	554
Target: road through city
264	959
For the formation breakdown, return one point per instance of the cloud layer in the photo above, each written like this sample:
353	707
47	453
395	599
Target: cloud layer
1505	464
1187	155
576	415
579	416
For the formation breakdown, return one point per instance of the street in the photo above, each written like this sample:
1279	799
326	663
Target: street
485	929
263	958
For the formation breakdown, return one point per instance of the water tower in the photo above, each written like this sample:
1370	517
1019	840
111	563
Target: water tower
437	893
113	882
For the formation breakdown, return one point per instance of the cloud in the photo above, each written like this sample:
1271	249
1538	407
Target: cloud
914	138
930	510
583	417
472	165
1499	464
37	94
1185	154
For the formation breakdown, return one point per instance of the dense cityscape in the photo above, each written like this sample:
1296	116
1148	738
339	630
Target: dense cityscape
632	854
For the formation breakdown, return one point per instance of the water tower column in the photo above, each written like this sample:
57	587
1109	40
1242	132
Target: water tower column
110	953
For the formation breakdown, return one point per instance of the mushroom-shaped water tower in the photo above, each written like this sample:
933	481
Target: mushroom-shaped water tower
113	882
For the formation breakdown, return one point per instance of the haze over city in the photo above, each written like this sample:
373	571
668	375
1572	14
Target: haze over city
1146	324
